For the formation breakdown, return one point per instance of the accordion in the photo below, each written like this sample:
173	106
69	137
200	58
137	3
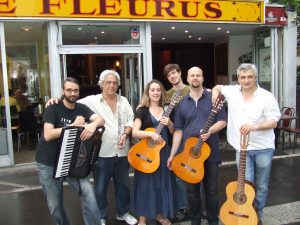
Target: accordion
76	158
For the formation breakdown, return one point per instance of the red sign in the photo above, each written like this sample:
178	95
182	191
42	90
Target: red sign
275	16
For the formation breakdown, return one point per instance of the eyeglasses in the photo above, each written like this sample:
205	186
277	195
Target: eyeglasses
72	90
114	83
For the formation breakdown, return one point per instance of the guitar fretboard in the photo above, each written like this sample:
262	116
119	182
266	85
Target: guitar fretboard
207	125
241	172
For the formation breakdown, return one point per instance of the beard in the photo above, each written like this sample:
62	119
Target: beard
71	99
195	85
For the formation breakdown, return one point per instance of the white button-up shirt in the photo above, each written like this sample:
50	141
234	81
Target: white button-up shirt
263	106
109	147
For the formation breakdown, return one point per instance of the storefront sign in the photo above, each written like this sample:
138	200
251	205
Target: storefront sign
275	16
197	10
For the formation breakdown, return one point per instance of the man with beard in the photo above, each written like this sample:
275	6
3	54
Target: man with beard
190	117
112	162
66	113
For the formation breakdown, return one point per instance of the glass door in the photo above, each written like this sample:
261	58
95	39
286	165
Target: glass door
133	81
6	150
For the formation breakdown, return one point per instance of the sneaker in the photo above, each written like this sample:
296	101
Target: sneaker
129	219
180	214
103	222
203	214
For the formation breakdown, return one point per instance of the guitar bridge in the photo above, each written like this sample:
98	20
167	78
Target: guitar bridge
188	167
144	158
238	214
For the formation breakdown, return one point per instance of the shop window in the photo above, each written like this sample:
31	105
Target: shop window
263	51
100	35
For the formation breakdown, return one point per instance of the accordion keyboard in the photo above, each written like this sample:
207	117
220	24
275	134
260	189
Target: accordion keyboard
65	156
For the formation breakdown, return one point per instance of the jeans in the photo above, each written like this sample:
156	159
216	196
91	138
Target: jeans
181	195
210	183
116	168
258	168
53	189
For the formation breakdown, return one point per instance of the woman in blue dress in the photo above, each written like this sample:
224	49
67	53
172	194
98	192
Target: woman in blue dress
153	195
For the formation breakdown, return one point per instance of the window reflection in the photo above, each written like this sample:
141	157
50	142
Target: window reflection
100	34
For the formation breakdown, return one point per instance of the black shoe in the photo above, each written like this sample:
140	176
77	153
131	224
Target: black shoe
180	214
203	214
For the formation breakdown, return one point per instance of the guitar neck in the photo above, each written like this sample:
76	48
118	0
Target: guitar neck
165	114
207	125
241	172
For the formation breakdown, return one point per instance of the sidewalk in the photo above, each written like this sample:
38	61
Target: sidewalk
22	201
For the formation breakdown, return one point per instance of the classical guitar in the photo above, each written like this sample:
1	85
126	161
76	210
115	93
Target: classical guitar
238	208
189	164
145	155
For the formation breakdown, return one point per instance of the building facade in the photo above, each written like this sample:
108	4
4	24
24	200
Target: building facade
44	41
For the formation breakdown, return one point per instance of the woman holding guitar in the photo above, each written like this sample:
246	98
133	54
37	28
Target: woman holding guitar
153	192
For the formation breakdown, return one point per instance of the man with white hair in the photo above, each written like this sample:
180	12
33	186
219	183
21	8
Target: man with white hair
254	110
112	162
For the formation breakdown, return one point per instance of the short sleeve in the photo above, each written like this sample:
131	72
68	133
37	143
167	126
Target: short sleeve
50	115
87	112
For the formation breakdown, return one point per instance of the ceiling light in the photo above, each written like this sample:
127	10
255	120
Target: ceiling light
173	28
79	28
199	38
26	28
190	36
95	38
219	28
102	32
163	39
227	32
186	31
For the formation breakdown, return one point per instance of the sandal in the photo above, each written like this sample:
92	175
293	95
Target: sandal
163	221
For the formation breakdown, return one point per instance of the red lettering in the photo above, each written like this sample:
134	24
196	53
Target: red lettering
47	5
77	9
160	8
132	8
185	9
104	6
12	10
214	8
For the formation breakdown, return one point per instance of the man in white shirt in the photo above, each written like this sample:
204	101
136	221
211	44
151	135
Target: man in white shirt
253	110
112	163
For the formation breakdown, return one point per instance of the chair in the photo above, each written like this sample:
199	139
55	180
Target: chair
284	124
13	113
294	131
28	124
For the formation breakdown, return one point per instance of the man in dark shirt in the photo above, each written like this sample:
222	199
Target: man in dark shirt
66	113
190	117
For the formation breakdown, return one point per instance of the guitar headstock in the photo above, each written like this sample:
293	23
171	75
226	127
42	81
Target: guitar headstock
218	103
244	141
175	98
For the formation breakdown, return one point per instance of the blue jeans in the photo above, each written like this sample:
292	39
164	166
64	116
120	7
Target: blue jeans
210	182
53	189
116	168
258	168
181	195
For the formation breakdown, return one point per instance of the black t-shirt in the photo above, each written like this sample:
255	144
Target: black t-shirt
59	116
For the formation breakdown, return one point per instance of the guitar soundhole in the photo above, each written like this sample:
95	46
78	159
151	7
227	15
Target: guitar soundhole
239	198
194	153
151	143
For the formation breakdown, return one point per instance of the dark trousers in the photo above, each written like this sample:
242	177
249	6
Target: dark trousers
210	182
116	168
